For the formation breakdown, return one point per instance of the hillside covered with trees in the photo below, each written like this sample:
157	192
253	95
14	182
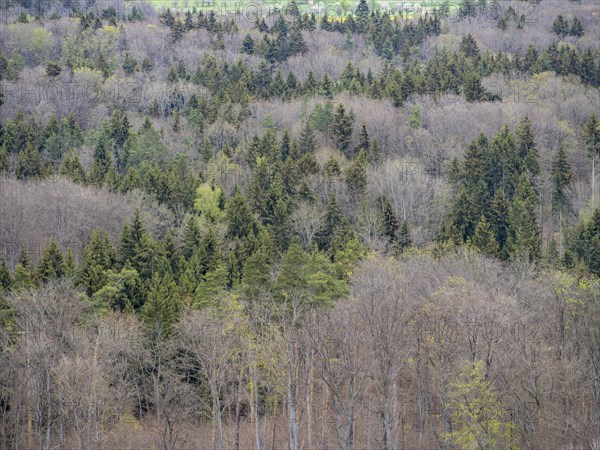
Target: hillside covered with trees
295	225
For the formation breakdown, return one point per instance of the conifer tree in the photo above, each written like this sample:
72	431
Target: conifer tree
51	265
131	238
307	139
98	257
483	239
29	163
72	168
591	137
161	307
523	239
525	140
576	28
342	129
389	221
562	176
404	240
240	220
6	280
209	292
356	177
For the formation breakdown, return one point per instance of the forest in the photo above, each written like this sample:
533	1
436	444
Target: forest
300	225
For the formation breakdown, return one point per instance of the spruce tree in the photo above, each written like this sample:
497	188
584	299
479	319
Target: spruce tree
523	240
210	291
591	137
525	140
389	221
161	308
562	176
342	129
307	141
483	239
6	280
51	265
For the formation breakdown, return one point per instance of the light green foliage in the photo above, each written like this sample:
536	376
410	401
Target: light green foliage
478	418
208	201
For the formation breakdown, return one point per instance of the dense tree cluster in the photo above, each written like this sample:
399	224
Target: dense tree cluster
358	237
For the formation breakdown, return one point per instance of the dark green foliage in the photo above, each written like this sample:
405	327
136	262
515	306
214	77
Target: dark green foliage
341	129
585	243
562	176
523	241
51	265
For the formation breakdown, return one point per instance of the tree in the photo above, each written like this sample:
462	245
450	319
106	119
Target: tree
356	177
98	257
341	128
240	220
469	47
473	90
523	240
248	45
161	309
6	280
483	239
53	69
29	163
591	137
307	141
390	222
562	176
478	417
576	28
51	264
560	26
525	140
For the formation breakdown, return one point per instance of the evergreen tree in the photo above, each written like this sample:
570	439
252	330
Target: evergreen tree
525	140
560	26
483	239
131	238
469	47
29	163
356	177
51	265
98	257
523	241
307	142
209	292
585	244
248	45
576	28
240	220
562	176
591	137
161	308
390	222
342	129
6	280
404	240
72	168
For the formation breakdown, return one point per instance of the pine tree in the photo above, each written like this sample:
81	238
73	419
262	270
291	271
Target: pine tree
356	177
562	176
130	65
576	28
591	137
161	308
523	240
342	129
390	222
72	168
98	257
307	142
240	220
483	239
29	163
469	47
131	238
560	26
525	140
404	240
6	280
51	265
